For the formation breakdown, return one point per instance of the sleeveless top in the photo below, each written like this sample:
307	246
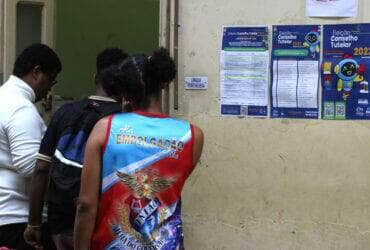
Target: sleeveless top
146	160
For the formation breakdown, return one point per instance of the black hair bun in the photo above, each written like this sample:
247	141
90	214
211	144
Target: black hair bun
161	67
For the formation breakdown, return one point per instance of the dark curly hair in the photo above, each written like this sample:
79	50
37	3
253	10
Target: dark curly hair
108	57
139	77
37	55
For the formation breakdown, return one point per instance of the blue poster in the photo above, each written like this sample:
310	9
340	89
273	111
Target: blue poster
244	71
295	71
346	62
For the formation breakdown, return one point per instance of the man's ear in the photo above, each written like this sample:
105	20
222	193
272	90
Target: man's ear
36	72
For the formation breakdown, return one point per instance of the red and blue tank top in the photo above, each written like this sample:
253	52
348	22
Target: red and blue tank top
146	160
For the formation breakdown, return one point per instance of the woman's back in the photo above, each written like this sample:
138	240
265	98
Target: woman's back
146	160
132	179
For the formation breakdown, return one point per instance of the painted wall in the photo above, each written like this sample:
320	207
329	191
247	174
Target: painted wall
85	27
268	184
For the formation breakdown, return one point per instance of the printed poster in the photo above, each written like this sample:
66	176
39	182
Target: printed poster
331	8
345	72
295	71
244	71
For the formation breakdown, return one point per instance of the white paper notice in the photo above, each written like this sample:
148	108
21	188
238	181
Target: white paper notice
307	84
331	8
295	84
244	78
286	84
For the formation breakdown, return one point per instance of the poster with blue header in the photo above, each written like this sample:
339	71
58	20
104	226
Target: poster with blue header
295	71
244	71
345	72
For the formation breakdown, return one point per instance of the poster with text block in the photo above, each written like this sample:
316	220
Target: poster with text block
244	71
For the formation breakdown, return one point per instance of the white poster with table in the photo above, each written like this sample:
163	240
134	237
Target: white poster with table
244	71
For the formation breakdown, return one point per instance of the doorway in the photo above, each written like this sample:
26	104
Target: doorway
22	23
85	27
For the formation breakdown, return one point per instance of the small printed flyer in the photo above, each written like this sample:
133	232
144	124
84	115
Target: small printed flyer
295	71
244	71
331	8
345	72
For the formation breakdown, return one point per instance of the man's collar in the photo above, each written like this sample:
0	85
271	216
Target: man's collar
23	87
102	98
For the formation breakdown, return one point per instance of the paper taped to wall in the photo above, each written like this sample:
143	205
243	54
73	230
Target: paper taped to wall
244	71
295	71
331	8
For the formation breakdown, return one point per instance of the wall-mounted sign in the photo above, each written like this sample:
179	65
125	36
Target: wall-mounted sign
196	82
331	8
295	71
345	72
244	71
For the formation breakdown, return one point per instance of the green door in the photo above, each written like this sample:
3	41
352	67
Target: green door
85	27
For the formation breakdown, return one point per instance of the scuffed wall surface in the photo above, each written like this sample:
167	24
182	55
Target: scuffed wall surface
268	184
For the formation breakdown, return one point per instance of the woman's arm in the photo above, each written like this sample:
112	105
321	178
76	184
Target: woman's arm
87	204
198	144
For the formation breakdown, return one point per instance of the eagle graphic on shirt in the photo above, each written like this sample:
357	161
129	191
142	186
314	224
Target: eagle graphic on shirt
143	203
144	186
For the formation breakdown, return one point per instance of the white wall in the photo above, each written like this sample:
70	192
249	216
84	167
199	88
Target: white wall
268	184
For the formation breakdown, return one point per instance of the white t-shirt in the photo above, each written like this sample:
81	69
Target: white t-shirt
21	130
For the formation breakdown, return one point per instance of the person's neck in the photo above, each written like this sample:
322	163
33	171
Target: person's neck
155	106
99	91
28	79
30	82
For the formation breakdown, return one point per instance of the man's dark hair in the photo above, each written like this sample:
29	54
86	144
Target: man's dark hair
108	57
37	55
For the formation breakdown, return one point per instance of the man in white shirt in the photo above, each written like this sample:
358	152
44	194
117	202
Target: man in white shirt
21	130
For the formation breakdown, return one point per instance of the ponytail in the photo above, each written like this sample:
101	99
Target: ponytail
161	67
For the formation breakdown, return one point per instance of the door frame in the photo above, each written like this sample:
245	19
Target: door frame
9	32
169	38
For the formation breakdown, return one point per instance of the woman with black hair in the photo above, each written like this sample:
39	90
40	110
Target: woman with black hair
136	164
